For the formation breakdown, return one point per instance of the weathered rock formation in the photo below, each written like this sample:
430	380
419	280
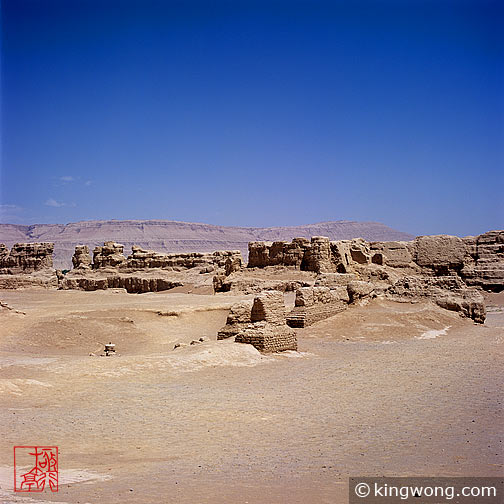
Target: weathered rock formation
170	236
318	255
486	265
133	284
261	324
26	258
477	260
313	304
110	255
27	265
143	270
81	257
449	292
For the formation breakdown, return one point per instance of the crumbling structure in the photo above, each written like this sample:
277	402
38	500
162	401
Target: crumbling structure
318	254
442	269
449	292
26	258
238	318
263	325
143	270
478	261
486	265
313	304
26	265
81	258
110	255
134	284
448	270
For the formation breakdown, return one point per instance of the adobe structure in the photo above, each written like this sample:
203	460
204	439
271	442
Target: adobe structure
313	304
27	265
327	276
449	271
26	258
478	261
111	255
143	270
261	324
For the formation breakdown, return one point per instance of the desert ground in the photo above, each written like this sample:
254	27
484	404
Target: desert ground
385	389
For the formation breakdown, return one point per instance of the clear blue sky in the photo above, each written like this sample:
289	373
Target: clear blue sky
254	113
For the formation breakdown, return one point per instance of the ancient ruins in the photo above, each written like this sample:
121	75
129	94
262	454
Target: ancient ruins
26	258
326	276
27	264
261	324
317	303
476	260
109	268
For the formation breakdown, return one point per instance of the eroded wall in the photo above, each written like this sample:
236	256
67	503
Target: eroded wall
26	258
479	261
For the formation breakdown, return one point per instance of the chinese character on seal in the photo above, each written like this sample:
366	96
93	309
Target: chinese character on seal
35	468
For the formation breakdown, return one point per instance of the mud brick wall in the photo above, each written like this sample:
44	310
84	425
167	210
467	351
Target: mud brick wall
229	259
394	254
449	292
237	320
262	324
267	338
314	304
318	255
270	307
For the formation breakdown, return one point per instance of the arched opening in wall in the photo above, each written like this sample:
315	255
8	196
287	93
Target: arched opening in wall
377	259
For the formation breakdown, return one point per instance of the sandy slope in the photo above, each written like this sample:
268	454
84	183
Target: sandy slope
395	389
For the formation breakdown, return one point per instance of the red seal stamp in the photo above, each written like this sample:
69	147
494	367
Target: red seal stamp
35	468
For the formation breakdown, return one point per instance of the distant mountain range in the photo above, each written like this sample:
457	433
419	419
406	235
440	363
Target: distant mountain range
173	236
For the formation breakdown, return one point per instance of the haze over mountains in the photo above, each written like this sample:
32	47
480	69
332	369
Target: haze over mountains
173	236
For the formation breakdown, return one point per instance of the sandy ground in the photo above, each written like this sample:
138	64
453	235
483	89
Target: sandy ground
386	389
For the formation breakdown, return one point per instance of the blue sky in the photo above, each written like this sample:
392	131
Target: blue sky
254	113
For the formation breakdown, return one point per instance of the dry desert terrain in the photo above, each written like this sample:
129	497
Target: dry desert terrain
386	389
